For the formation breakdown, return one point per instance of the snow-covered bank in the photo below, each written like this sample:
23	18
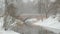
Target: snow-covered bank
7	32
2	31
51	24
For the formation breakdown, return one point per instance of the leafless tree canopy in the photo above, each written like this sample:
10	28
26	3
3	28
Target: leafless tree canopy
11	10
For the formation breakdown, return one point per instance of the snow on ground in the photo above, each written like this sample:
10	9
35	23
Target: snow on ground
2	31
7	32
49	21
29	21
51	24
45	22
1	22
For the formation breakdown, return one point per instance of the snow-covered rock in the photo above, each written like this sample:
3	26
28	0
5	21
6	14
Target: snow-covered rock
31	20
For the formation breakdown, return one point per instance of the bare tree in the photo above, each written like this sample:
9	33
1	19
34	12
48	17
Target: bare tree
52	6
5	14
9	11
